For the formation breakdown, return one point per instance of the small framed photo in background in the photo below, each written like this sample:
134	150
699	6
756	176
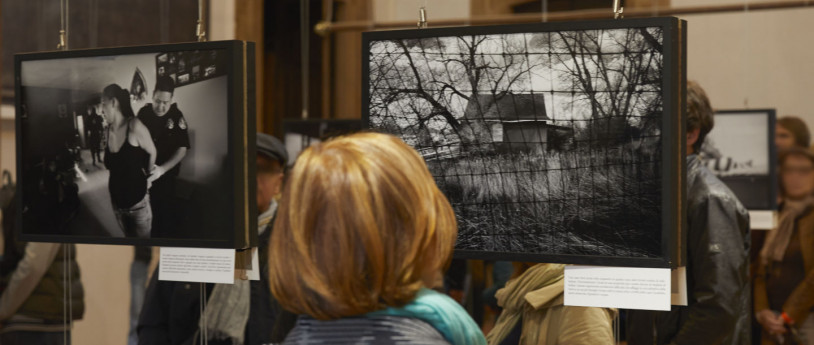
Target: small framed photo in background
740	150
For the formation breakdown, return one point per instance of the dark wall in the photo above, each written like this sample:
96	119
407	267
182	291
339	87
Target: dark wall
45	131
33	25
283	62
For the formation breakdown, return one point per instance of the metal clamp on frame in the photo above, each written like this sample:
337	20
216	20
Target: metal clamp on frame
422	18
618	9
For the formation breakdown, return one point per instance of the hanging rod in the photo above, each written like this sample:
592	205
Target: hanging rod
324	28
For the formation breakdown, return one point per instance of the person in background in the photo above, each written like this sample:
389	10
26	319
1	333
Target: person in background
362	236
33	286
784	283
169	131
717	255
791	131
95	127
502	272
534	314
243	313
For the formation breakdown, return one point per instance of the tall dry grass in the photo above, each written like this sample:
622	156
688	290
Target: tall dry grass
598	202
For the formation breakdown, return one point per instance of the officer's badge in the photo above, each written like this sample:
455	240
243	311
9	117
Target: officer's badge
182	124
170	124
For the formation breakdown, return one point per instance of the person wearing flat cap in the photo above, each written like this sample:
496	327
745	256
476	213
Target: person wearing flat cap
240	313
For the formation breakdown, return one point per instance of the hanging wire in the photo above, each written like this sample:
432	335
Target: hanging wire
65	294
201	313
69	263
422	14
203	322
747	39
305	54
63	25
200	28
164	21
371	23
67	22
544	6
329	17
618	9
206	319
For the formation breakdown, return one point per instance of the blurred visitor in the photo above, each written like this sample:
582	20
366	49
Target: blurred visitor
717	255
363	236
791	131
94	126
34	280
534	314
784	283
240	313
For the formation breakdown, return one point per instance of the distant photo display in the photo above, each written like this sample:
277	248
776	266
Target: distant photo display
740	150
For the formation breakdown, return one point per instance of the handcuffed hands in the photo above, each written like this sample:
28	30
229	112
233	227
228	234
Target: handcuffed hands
155	173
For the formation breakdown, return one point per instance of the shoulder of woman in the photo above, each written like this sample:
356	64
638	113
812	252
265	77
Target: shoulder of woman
136	124
137	127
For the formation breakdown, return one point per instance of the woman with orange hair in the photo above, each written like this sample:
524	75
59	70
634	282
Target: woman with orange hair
361	236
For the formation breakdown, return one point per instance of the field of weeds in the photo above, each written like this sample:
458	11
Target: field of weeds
597	202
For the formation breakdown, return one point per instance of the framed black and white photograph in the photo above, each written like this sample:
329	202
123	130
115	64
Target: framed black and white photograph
740	150
554	142
299	134
98	163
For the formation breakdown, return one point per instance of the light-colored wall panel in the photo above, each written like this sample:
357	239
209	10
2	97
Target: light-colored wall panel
756	60
105	274
400	10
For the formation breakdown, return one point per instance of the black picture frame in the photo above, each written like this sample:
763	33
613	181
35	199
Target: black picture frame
309	131
236	172
757	191
673	150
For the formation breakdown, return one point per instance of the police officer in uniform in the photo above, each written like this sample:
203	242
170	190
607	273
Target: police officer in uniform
169	131
168	128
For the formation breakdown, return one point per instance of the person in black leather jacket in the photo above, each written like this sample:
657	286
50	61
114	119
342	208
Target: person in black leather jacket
717	255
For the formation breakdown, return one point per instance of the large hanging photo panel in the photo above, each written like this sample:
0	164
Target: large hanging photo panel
554	142
149	145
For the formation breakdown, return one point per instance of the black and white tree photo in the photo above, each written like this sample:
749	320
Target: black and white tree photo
543	142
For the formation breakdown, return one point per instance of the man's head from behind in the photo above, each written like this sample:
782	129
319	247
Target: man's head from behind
162	95
271	162
699	117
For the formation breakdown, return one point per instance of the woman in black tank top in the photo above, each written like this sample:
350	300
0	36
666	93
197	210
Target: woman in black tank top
130	157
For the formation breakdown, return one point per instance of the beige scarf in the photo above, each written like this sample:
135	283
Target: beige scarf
513	297
778	239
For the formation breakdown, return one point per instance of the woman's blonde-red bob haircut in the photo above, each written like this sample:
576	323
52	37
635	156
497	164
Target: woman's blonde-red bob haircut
361	226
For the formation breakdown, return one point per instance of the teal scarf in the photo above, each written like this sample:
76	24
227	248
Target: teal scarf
441	312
